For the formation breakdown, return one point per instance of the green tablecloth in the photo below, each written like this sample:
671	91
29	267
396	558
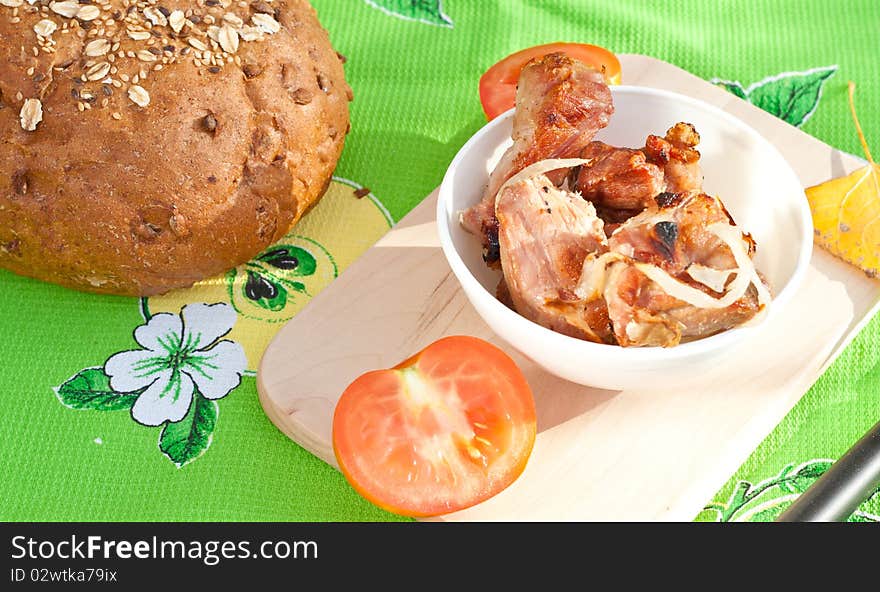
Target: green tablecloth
71	450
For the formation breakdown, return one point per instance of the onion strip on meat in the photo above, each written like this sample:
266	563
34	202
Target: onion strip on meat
716	279
732	236
593	276
691	295
745	275
541	167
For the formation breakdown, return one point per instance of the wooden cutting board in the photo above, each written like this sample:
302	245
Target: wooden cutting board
657	454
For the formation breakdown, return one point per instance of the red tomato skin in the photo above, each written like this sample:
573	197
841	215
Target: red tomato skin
433	355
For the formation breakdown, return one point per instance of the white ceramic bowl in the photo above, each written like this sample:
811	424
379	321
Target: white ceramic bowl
752	178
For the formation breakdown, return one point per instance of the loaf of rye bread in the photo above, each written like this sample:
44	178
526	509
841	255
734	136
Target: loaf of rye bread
145	145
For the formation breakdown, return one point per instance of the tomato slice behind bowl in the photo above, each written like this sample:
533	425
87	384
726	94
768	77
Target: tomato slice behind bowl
446	429
498	84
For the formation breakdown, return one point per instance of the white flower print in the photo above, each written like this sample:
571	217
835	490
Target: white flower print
181	353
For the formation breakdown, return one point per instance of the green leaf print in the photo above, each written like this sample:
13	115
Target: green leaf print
184	441
90	389
733	87
423	11
791	96
765	501
807	475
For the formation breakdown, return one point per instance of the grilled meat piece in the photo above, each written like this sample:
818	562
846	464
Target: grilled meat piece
676	155
674	236
618	178
621	182
545	234
560	105
643	314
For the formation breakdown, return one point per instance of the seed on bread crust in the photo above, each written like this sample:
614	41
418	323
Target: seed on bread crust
122	31
228	38
89	12
324	82
67	8
45	28
251	70
155	16
97	47
98	71
301	96
250	33
197	44
20	182
178	224
263	7
139	95
176	20
31	114
266	22
209	123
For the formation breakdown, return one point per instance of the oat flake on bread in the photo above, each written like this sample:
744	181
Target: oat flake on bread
104	102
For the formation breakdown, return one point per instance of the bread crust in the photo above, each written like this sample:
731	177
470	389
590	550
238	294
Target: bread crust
108	195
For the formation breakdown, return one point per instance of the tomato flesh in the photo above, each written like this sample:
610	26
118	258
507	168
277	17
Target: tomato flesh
442	431
498	84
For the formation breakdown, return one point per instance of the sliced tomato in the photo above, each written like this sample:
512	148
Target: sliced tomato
444	430
498	84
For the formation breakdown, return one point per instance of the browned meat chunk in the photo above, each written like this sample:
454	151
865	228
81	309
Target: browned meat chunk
675	153
545	234
621	182
675	236
560	105
643	314
673	233
635	254
618	178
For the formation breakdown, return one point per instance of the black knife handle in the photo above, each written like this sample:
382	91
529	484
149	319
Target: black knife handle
843	488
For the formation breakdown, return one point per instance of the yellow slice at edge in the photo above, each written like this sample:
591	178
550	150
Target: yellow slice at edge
846	217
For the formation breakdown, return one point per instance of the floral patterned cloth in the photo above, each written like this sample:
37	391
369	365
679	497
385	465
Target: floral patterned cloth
126	409
181	354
